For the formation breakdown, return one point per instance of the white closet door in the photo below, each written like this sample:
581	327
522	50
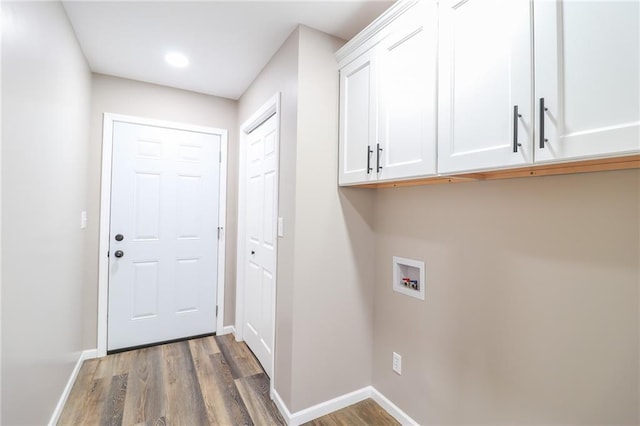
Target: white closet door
163	234
587	70
485	71
261	238
408	101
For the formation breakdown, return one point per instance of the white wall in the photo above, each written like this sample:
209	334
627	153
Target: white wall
45	114
531	310
128	97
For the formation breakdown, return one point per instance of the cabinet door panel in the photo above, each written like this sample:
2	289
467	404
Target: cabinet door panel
358	98
485	70
407	109
588	72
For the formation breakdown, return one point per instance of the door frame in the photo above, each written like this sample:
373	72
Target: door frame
270	108
105	213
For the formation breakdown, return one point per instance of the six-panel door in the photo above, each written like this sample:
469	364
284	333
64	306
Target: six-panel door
163	234
261	241
587	79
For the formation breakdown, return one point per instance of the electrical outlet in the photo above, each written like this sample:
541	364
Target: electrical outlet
397	363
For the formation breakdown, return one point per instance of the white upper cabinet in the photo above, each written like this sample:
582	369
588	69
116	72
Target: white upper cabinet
461	86
388	97
585	77
587	74
485	104
408	103
358	102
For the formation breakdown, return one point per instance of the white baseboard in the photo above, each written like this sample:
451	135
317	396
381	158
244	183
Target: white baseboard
227	329
392	408
281	406
324	408
89	354
84	355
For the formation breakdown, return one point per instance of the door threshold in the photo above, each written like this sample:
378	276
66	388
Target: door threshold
164	342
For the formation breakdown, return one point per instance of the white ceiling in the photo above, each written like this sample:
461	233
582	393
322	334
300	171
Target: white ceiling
227	42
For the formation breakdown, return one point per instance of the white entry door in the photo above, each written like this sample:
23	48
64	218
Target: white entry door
163	234
261	234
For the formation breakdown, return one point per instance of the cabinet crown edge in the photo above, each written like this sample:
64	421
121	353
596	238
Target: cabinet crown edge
395	10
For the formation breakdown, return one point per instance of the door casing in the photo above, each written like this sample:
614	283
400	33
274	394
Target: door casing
267	110
105	212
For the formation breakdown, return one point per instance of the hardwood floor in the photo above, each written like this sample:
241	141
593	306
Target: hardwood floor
209	381
366	412
212	380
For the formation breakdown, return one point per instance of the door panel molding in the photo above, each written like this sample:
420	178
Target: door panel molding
105	211
269	109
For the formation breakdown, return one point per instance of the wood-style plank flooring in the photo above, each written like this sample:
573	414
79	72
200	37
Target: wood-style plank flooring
366	412
208	381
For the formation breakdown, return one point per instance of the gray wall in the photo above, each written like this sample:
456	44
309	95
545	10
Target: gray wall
45	114
128	97
325	286
533	285
281	75
531	310
333	276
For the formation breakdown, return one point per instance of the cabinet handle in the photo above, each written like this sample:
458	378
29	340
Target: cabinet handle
516	116
378	166
369	152
542	110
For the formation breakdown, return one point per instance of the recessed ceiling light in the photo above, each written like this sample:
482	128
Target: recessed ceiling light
176	59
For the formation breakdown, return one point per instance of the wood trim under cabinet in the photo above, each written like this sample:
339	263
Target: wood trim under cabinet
585	166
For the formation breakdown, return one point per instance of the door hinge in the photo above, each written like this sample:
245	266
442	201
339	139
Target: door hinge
219	231
216	310
220	157
108	253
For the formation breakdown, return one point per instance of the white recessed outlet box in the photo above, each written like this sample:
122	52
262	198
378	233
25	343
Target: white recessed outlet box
397	363
408	277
